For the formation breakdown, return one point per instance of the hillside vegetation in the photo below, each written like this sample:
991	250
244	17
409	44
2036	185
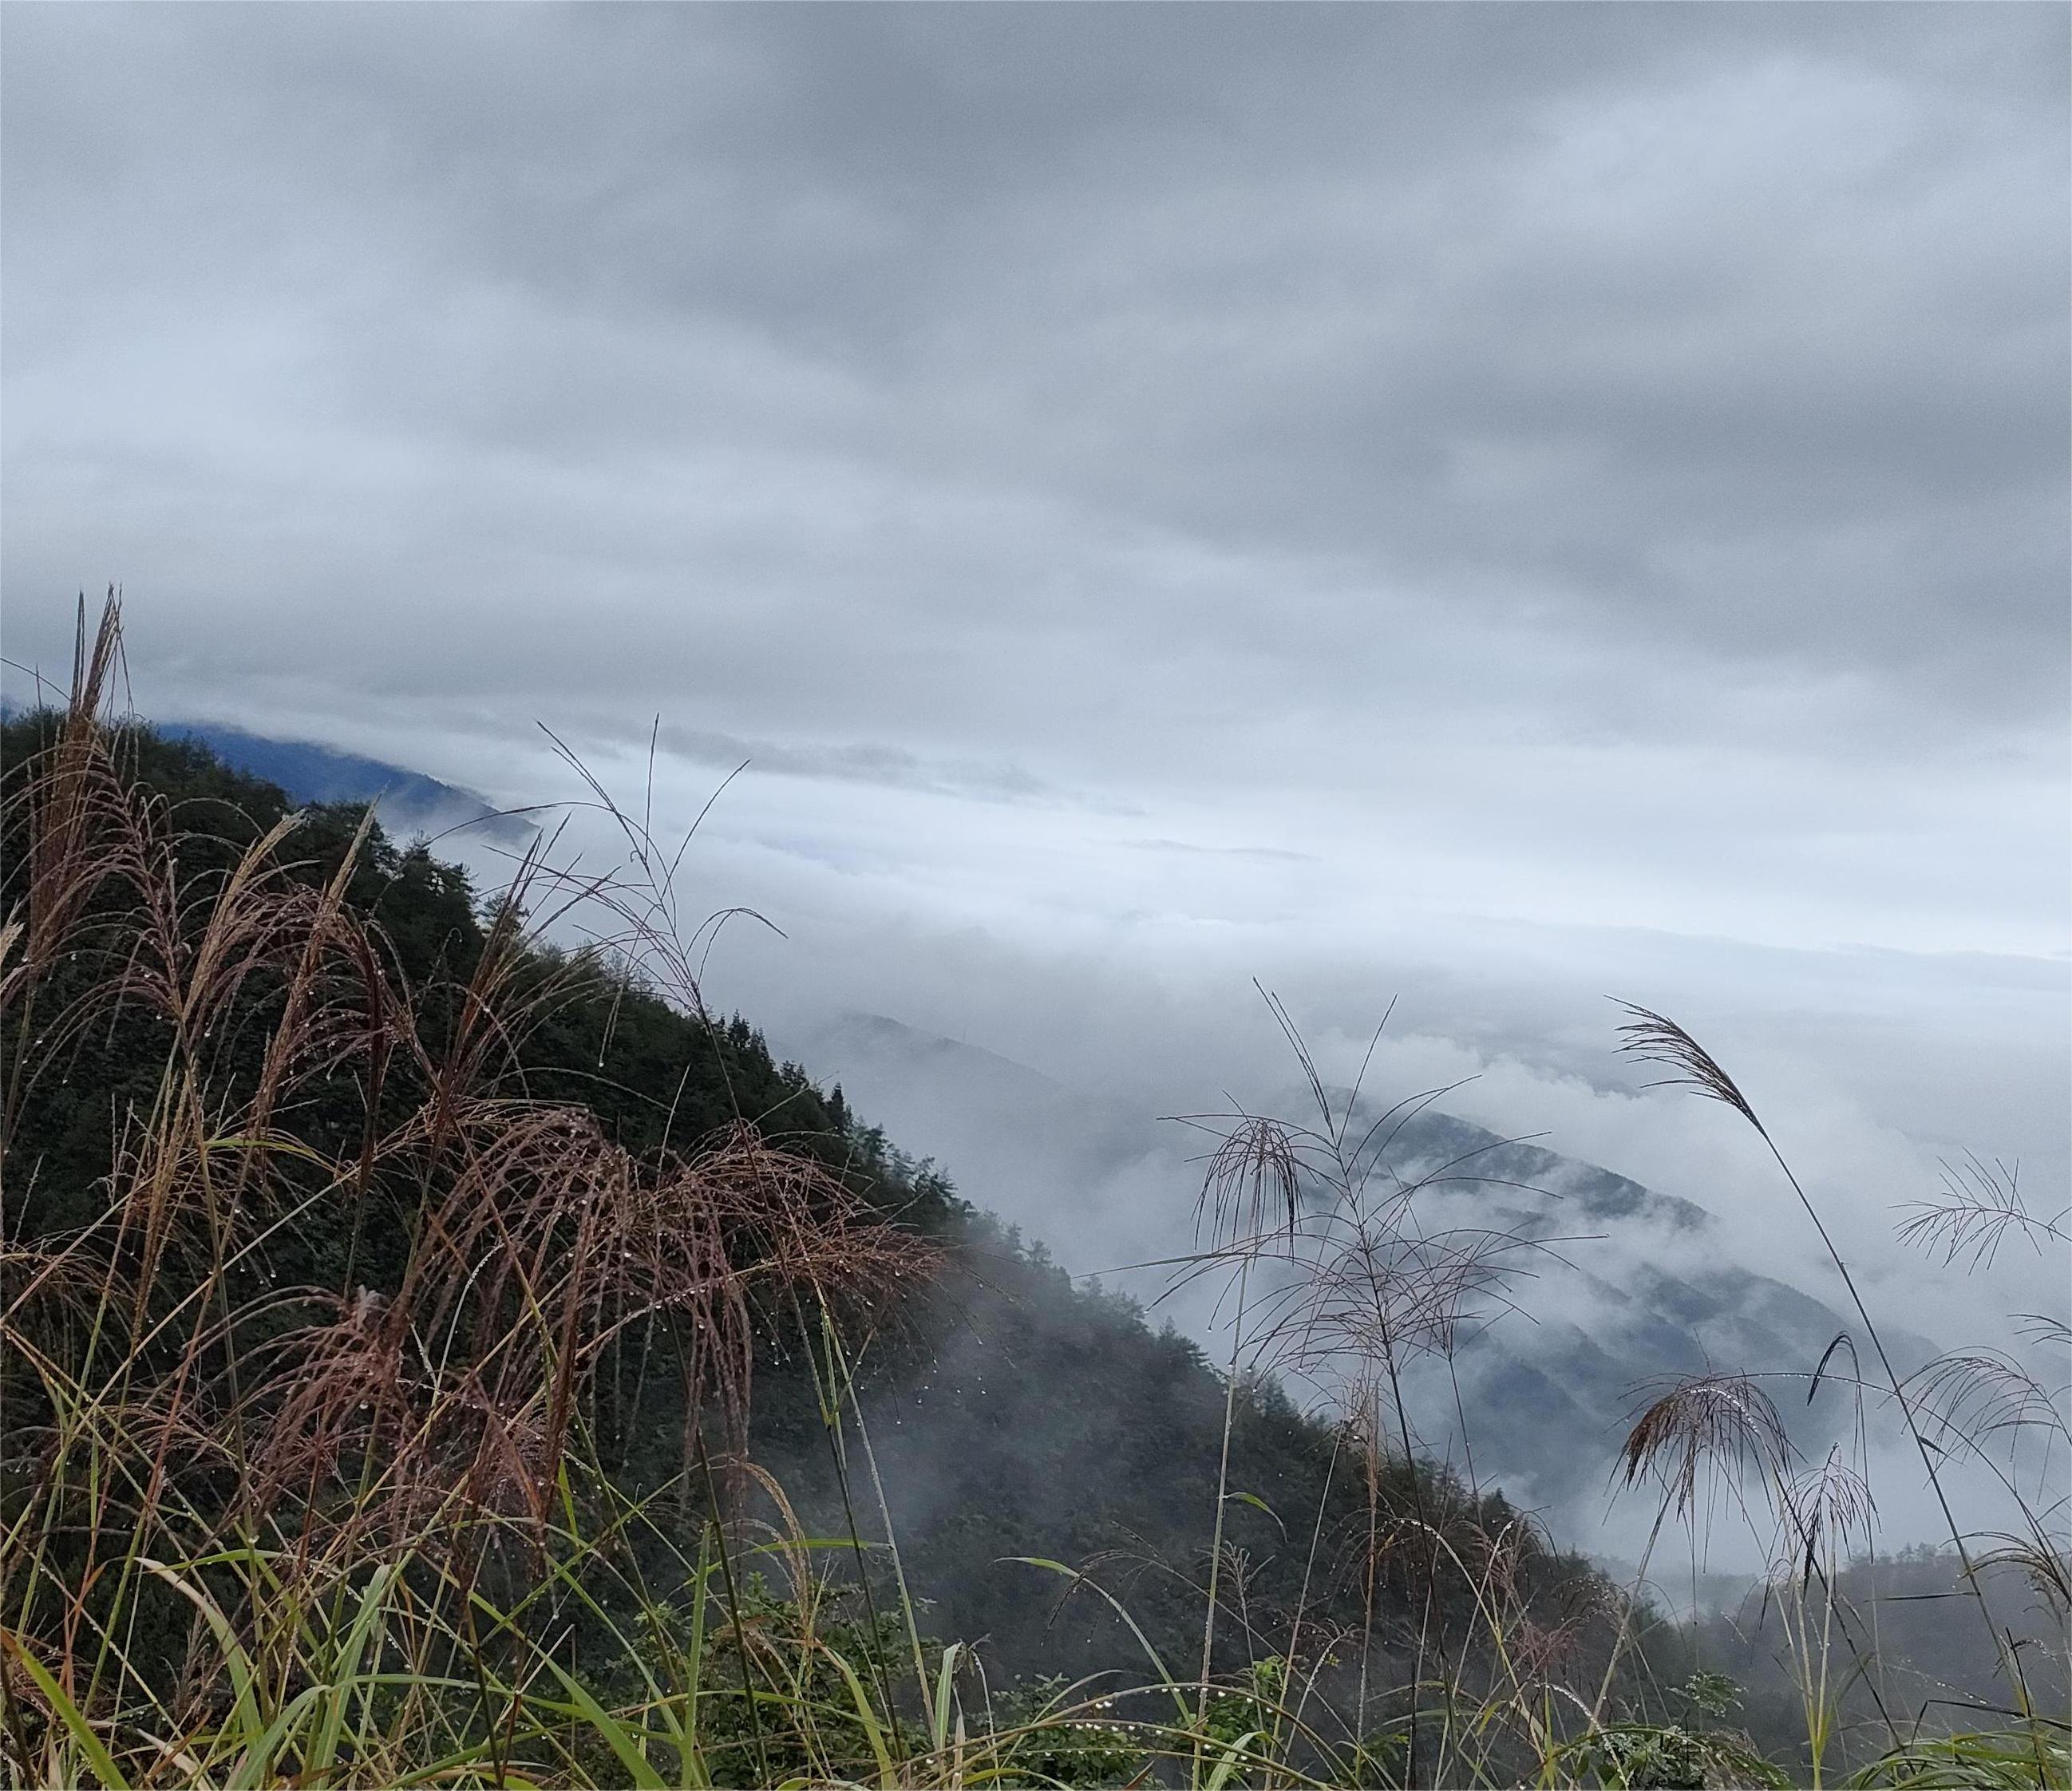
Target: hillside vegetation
429	1354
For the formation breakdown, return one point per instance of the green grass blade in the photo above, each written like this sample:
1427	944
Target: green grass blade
867	1717
255	1769
1237	1754
345	1676
940	1734
615	1734
1165	1677
244	1699
68	1713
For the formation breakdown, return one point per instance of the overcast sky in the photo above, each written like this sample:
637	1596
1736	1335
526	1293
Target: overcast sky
1494	503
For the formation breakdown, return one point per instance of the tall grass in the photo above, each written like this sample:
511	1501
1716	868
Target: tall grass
258	1533
1981	1406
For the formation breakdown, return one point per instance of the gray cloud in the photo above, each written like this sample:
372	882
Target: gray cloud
1262	854
1740	332
860	763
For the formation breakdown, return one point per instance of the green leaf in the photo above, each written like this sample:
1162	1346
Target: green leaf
866	1716
1258	1504
1237	1754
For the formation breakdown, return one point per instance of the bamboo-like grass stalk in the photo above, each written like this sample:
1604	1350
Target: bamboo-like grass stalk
1652	1038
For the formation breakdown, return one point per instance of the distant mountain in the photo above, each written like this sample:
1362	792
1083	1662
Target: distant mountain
1645	1286
408	802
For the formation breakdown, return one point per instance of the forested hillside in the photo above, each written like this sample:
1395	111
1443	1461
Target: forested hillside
1013	1412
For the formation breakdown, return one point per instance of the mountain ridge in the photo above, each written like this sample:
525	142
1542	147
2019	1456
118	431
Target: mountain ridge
409	802
1655	1293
